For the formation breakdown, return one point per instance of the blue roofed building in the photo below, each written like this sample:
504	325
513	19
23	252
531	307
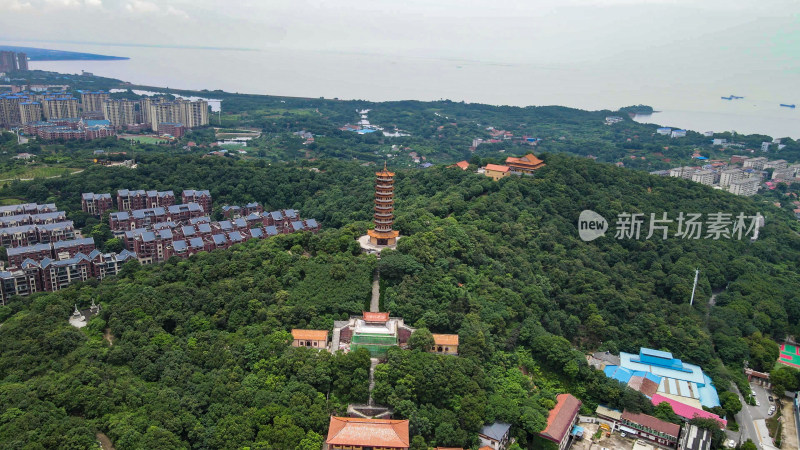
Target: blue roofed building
658	372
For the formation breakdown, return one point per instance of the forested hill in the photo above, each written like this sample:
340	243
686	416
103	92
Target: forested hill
200	355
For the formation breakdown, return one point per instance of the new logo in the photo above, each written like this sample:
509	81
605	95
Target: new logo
591	225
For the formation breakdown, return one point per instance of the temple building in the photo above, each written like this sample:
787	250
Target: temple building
445	343
524	165
383	235
349	433
375	331
316	339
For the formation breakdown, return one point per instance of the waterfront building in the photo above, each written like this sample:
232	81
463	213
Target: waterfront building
190	114
678	133
10	109
11	61
665	131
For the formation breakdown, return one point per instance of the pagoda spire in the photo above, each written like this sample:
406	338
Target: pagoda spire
383	217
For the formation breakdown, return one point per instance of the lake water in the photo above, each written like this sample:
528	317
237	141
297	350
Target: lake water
686	98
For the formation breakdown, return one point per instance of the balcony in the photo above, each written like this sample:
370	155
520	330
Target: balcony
384	186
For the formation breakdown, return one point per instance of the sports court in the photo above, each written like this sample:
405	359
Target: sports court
789	355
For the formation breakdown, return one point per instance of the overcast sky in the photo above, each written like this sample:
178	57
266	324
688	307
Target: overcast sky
551	31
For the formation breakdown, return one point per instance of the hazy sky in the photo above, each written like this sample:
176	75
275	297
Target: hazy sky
550	31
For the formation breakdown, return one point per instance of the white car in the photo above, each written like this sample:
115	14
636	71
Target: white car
771	410
757	403
730	443
752	392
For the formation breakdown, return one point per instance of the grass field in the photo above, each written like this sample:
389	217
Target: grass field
36	172
11	201
145	139
789	356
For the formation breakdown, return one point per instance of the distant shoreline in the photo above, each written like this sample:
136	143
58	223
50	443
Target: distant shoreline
43	54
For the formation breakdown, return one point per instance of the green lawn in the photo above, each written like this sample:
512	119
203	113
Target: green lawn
145	139
36	172
11	201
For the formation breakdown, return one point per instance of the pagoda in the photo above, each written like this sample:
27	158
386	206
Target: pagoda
383	218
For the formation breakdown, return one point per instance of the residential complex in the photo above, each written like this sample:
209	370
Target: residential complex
46	253
744	180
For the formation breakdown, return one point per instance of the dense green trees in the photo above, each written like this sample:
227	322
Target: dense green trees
200	355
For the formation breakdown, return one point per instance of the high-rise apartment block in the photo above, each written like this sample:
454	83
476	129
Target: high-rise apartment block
190	114
30	112
727	177
59	107
93	101
10	61
121	112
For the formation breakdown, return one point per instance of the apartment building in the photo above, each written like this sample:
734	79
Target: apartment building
121	113
704	177
93	101
30	112
747	187
59	106
202	197
729	176
96	204
755	163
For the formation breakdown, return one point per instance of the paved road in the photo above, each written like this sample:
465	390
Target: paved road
749	414
745	420
374	305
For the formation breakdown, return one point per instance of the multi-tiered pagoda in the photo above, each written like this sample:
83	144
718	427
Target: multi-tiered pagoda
383	235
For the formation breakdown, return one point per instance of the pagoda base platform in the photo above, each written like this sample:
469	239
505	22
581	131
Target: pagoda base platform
366	244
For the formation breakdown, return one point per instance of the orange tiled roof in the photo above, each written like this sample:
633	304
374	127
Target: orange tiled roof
310	335
445	339
368	432
463	165
561	417
376	316
530	160
497	168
